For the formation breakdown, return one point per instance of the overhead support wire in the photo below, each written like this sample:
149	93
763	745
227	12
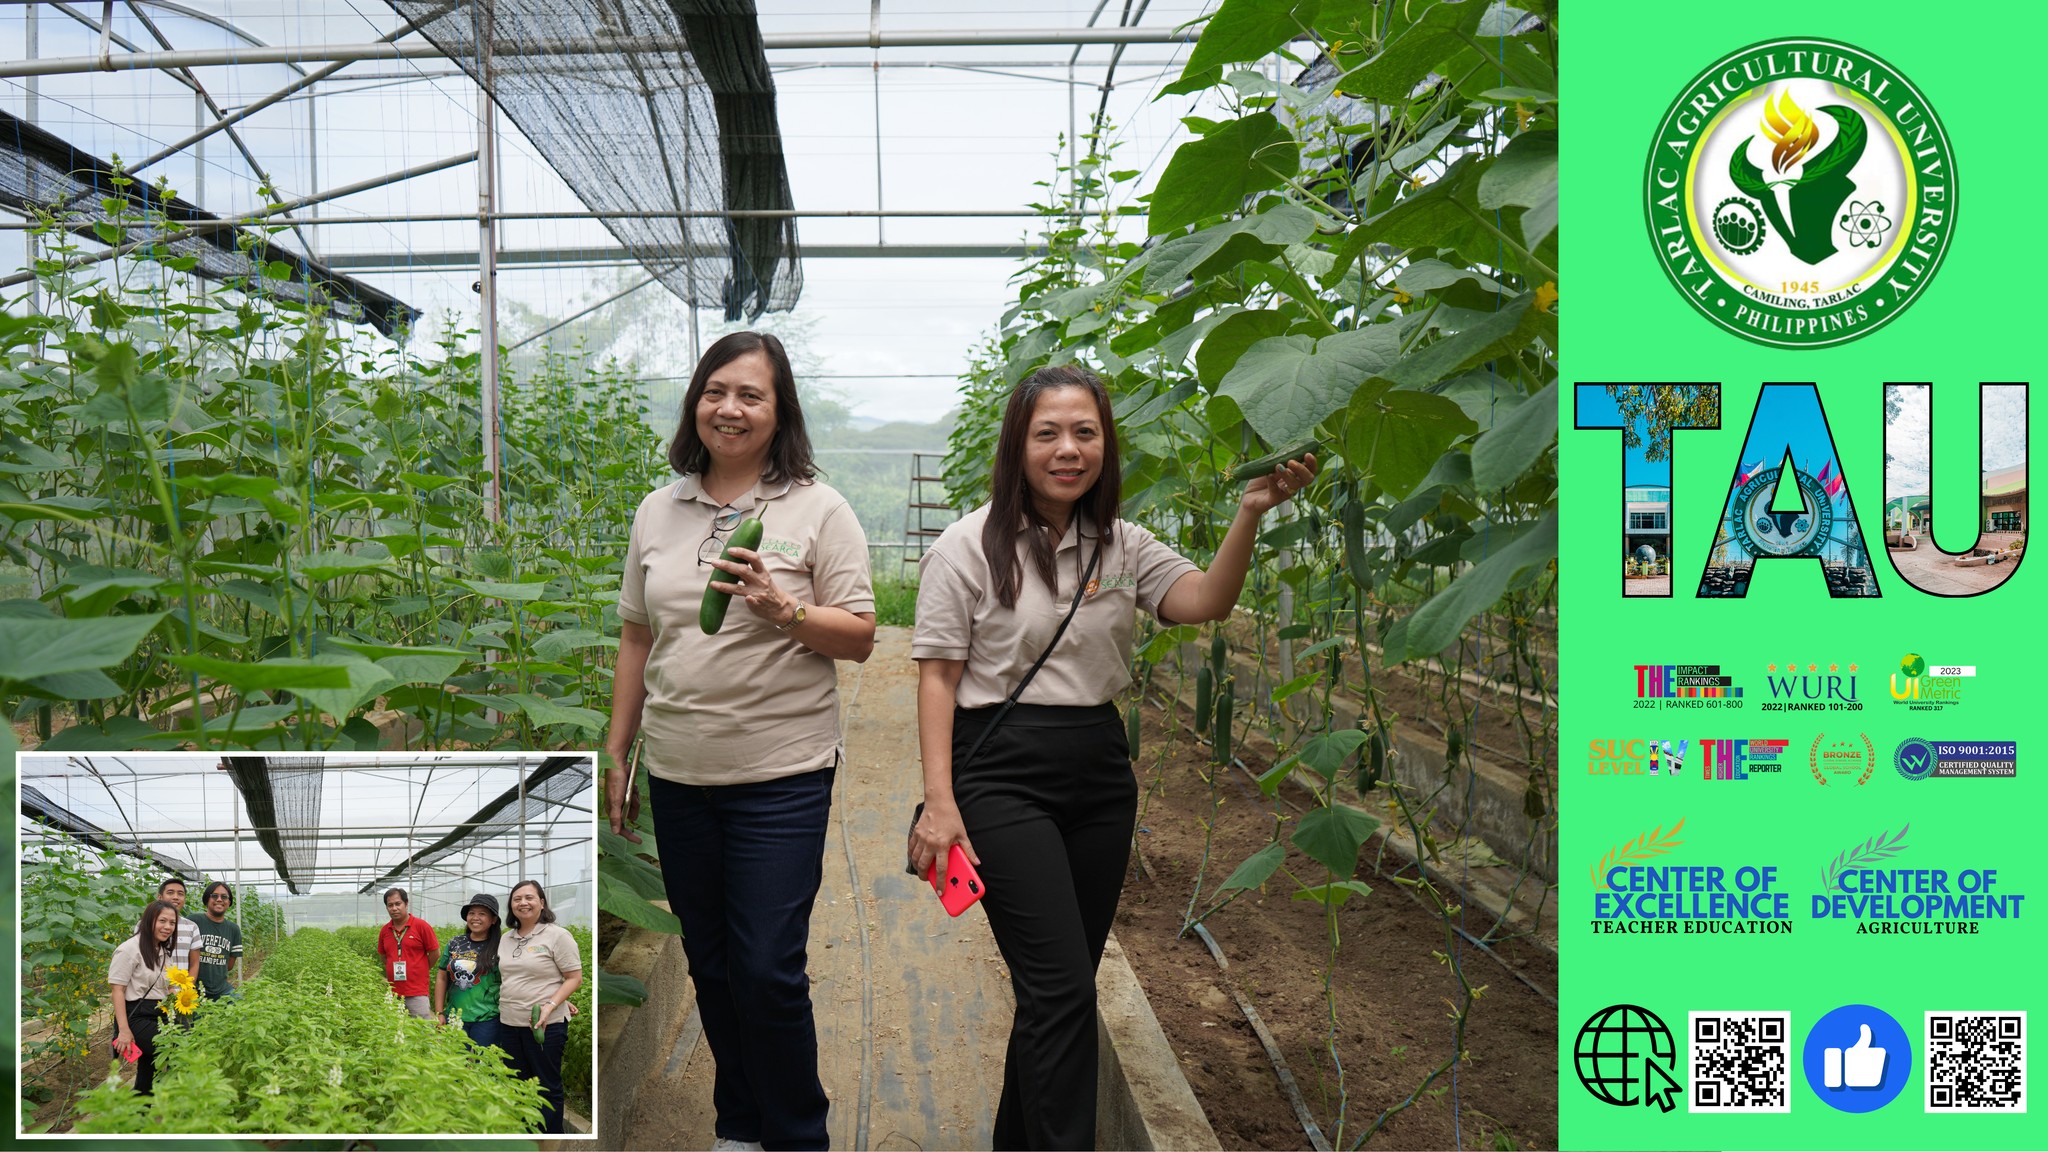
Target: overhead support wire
197	227
698	214
600	45
610	255
237	115
558	777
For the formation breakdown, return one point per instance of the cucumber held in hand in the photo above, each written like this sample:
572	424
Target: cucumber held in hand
1267	465
711	614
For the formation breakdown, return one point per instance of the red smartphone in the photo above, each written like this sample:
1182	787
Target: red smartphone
963	883
132	1053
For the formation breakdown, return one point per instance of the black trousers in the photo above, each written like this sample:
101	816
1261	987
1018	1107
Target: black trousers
540	1060
143	1021
1049	803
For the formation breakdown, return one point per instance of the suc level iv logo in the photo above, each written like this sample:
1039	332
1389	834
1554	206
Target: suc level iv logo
1800	193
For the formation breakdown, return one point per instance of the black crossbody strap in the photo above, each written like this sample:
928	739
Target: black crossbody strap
1080	591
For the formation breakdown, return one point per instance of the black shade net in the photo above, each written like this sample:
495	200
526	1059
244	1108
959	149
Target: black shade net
41	170
680	117
554	783
36	806
283	795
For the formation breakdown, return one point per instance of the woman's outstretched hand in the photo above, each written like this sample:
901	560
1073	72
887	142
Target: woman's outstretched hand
1269	492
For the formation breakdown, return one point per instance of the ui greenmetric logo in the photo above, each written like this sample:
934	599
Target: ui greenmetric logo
1800	193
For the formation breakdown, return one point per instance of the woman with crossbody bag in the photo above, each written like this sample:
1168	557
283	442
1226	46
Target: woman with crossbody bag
1025	613
137	976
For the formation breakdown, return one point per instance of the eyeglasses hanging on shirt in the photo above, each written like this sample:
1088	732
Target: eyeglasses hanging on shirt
723	522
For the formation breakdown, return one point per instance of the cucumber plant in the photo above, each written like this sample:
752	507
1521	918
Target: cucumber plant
1366	260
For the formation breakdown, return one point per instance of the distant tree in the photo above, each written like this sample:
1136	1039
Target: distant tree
1663	407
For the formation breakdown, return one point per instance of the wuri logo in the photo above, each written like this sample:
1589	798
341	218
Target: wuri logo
1800	193
1813	682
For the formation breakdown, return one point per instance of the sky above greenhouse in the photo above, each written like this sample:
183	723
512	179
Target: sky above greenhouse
889	334
374	813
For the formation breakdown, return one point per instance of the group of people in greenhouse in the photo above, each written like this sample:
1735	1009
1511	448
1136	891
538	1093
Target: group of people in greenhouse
506	983
146	970
1025	617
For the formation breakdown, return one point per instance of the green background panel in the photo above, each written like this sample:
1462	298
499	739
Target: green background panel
1976	322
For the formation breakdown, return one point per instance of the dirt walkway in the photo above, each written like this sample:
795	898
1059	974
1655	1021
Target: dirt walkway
913	1007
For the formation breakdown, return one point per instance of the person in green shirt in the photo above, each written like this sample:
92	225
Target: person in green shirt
220	942
466	979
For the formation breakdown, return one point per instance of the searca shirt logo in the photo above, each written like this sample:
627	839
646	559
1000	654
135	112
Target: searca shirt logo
1800	192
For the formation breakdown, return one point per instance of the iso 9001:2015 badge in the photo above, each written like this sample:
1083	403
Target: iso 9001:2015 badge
1800	193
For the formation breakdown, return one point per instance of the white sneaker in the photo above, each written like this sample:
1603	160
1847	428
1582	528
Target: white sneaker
723	1144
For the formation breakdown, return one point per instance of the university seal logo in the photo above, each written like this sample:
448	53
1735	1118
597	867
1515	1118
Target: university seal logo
1800	193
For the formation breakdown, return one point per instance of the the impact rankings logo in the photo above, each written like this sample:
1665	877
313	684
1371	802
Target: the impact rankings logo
1800	192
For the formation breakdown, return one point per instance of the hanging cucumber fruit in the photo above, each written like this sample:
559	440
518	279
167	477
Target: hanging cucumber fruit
1225	706
1267	465
711	614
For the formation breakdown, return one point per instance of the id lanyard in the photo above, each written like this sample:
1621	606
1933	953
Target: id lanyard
398	948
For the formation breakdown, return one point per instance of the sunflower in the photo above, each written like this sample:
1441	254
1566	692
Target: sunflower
187	1001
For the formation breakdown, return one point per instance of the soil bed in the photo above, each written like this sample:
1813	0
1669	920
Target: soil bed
1394	996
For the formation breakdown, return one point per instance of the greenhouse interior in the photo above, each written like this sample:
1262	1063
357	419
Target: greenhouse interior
341	341
310	847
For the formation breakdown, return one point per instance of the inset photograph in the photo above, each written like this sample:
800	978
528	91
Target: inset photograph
340	945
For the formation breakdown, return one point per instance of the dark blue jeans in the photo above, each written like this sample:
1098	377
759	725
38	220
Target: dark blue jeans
743	863
541	1060
484	1033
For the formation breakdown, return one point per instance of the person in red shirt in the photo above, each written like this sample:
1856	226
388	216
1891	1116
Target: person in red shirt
408	947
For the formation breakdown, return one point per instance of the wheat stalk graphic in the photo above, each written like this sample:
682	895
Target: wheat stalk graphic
1872	849
1655	842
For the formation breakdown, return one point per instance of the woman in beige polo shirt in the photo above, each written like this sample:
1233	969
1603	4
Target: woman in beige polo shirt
1044	809
740	730
138	977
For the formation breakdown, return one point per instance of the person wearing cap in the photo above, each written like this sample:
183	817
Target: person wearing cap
740	728
467	978
1044	808
407	945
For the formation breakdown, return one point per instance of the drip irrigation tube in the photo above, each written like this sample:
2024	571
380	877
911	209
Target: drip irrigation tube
1316	1138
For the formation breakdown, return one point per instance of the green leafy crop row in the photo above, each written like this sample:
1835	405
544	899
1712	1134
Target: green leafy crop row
317	1044
228	521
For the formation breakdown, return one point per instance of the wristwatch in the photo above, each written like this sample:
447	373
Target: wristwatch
793	620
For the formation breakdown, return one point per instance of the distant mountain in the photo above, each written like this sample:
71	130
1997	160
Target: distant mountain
867	432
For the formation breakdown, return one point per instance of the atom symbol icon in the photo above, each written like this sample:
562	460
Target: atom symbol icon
1865	224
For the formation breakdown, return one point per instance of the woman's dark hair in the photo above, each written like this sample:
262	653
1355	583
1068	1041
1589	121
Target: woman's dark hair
1010	493
547	914
222	885
145	933
789	455
487	951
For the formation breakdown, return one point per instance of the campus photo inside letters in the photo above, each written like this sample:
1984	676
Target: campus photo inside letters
339	944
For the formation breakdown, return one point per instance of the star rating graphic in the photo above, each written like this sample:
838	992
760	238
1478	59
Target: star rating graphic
1793	666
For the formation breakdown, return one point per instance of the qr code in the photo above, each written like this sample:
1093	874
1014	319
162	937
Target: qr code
1739	1062
1977	1062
